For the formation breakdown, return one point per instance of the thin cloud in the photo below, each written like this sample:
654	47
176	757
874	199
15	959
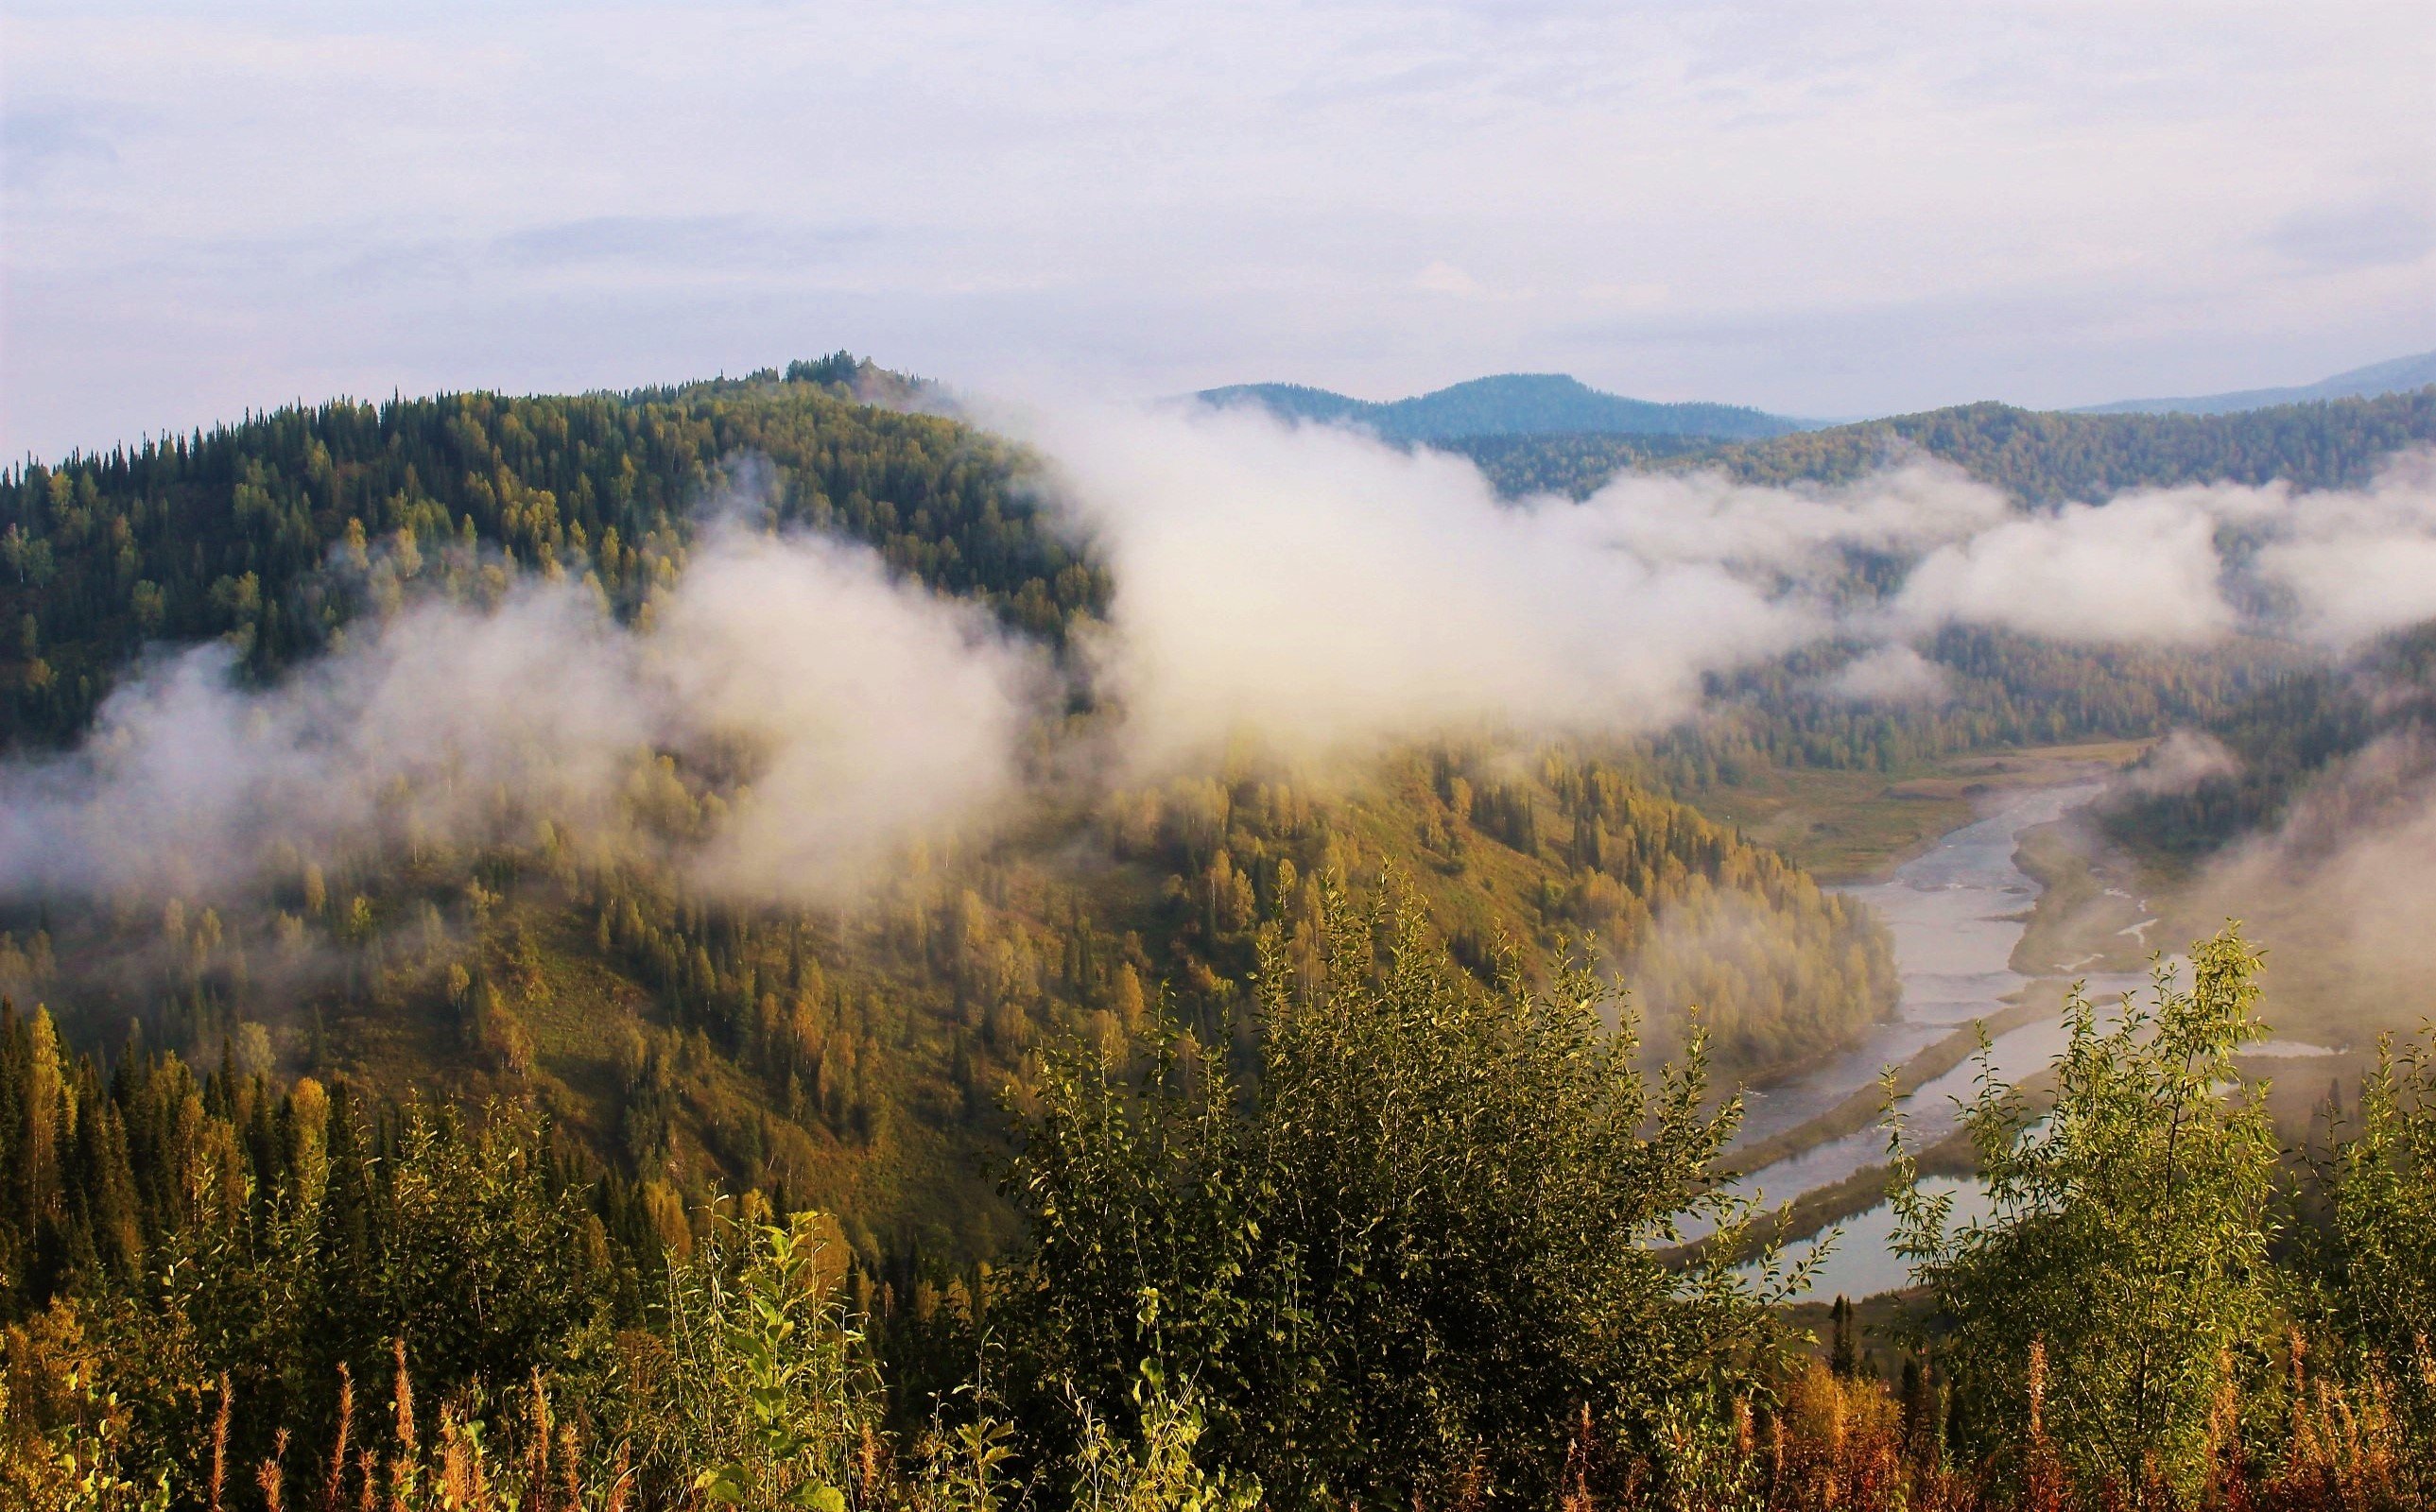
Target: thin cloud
2378	234
1158	199
680	242
850	713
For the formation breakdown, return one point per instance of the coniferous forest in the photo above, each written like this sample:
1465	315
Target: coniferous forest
1270	1132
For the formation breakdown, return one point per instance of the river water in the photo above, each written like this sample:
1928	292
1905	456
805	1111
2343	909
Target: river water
1955	911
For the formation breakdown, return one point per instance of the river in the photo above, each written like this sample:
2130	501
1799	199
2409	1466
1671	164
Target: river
1956	911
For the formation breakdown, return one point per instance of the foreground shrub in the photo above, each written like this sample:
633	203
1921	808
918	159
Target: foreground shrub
1405	1264
2122	1286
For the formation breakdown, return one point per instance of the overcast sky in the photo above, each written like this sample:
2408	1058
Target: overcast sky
1820	208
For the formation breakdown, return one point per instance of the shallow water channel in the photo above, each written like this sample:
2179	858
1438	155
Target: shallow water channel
1956	911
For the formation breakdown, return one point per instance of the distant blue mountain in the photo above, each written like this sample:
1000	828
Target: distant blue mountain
2400	376
1513	404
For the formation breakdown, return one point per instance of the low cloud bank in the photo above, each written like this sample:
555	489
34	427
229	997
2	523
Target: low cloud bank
1327	591
851	711
2192	564
789	714
2141	569
2341	891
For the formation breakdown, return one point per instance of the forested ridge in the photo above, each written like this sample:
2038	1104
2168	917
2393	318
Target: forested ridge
228	531
2278	739
2042	456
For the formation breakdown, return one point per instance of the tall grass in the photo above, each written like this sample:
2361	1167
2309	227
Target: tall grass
766	1399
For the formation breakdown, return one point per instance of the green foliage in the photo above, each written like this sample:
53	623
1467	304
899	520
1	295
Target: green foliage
1402	1264
774	1341
2380	1187
2124	1274
1420	1267
197	1231
78	1461
487	1259
1157	1470
766	1397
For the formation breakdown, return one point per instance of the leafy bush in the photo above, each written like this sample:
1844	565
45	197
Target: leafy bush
1407	1262
2124	1279
2381	1226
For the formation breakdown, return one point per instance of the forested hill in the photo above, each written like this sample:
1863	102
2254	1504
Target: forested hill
227	531
2044	457
1512	404
2281	739
494	1118
1571	464
850	1056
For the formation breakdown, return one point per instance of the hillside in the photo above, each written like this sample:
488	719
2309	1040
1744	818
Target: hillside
505	1106
2040	456
855	1058
857	1053
1513	404
850	1053
229	533
2044	457
2400	376
2306	810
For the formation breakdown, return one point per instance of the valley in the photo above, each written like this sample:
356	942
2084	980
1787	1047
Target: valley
622	821
1271	757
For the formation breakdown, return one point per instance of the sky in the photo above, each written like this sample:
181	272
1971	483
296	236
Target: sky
1824	209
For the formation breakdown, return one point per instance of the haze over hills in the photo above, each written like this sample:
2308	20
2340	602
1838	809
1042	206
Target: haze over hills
1511	404
2400	376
